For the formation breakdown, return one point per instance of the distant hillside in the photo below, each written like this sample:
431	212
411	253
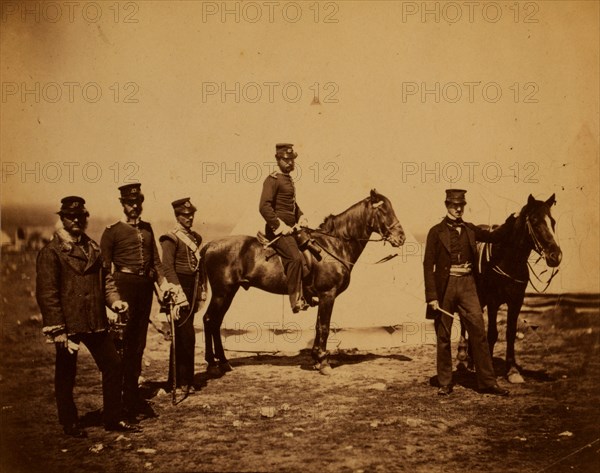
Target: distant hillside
14	217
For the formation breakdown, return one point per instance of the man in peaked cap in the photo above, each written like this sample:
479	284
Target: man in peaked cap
131	253
181	264
280	210
450	256
73	289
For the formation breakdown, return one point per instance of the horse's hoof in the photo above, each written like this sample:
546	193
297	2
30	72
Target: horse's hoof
514	377
225	367
213	371
462	355
326	370
317	366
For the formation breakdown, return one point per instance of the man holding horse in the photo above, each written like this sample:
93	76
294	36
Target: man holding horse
282	214
450	256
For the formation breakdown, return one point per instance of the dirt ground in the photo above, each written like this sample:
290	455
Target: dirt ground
378	412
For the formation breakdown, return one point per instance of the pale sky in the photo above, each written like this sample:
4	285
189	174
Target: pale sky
189	99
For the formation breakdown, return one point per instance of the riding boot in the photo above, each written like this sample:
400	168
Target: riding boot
298	302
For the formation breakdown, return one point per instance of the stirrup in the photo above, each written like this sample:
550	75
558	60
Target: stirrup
300	305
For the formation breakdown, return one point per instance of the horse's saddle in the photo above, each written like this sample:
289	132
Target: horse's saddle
310	251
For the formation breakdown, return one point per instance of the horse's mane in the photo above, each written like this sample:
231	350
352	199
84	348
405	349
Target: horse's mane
348	224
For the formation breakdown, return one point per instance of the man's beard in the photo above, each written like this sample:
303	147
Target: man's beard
76	230
133	214
286	169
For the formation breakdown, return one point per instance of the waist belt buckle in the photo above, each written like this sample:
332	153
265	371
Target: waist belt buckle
141	272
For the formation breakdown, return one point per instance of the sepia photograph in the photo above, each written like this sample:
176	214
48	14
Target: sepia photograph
279	236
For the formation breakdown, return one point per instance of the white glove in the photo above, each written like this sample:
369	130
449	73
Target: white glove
303	221
175	312
435	305
166	286
283	229
119	307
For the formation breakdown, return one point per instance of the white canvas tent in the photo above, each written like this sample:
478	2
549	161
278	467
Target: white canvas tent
5	239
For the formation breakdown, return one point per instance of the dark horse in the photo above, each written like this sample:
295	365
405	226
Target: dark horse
505	273
236	261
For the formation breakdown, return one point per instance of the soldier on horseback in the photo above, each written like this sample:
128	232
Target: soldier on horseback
283	216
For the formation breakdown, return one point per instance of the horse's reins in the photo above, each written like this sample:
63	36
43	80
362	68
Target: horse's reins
540	250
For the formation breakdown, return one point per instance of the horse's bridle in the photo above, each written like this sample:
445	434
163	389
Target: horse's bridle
537	246
539	249
387	231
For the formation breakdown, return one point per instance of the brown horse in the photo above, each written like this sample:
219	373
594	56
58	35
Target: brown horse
505	273
236	261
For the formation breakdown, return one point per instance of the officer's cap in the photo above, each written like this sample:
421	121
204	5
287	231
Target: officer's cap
183	206
285	150
73	205
131	192
455	196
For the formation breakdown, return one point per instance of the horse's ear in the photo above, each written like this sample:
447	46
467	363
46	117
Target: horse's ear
374	197
552	200
530	200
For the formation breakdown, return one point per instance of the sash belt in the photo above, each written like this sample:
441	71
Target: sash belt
459	270
139	272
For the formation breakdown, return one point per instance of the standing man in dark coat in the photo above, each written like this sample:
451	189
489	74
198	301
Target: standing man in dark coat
281	212
130	251
72	289
181	264
450	257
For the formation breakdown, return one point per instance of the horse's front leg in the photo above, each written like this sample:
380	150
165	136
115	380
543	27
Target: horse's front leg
492	329
319	350
512	369
462	354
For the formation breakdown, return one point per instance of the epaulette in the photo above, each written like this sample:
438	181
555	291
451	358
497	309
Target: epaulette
168	236
274	174
112	224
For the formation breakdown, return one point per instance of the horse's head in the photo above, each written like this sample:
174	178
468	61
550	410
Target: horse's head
540	226
382	219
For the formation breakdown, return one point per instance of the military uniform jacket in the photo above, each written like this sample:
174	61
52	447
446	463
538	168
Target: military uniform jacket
72	288
278	201
437	260
132	247
178	257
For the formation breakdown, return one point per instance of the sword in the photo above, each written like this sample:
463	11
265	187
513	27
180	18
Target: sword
295	228
455	317
168	304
